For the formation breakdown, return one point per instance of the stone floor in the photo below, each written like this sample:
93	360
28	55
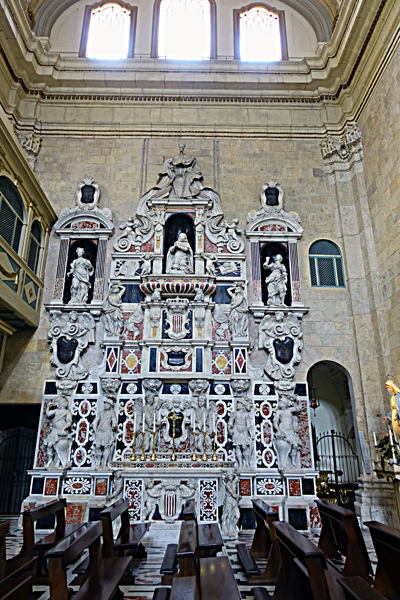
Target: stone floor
147	571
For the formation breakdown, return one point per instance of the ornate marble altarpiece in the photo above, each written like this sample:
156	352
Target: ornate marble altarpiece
174	328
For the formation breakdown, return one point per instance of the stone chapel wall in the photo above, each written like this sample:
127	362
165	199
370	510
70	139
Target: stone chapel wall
380	125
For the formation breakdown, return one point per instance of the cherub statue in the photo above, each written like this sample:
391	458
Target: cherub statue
152	497
210	264
147	264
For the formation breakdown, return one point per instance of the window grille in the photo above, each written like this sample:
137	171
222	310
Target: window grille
109	32
34	246
184	30
260	35
11	214
326	267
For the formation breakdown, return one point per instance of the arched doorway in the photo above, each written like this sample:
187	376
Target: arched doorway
17	449
334	433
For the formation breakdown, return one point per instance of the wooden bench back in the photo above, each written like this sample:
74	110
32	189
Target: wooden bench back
303	570
29	517
189	510
187	552
387	547
341	535
265	536
119	509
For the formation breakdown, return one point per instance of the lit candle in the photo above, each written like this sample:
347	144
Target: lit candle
134	424
154	423
143	422
391	437
213	422
204	421
375	442
192	421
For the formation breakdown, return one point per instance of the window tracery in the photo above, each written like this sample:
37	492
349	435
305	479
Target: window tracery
108	31
260	34
184	29
326	266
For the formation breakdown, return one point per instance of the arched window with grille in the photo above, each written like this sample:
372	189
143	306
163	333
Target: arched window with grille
108	31
260	34
35	247
11	214
184	29
326	266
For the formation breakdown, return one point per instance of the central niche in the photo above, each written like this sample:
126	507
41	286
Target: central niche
176	224
272	249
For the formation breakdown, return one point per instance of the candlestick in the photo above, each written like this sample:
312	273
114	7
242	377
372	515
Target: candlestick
214	456
143	457
204	457
133	457
391	437
173	419
375	442
194	455
153	457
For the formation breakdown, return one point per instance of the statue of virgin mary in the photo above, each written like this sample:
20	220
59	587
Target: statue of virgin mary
180	257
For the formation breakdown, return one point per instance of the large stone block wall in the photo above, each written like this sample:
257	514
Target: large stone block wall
237	168
380	125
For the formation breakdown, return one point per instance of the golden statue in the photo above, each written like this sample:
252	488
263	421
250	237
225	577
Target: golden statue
394	413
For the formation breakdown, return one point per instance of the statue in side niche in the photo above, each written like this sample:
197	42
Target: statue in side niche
81	269
113	318
180	257
241	431
105	427
276	281
231	511
59	441
394	414
238	318
287	442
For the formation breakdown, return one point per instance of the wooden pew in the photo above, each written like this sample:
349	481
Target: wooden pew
386	541
356	588
187	552
189	510
217	580
31	548
17	565
265	545
129	538
183	588
341	537
18	588
209	536
102	577
304	572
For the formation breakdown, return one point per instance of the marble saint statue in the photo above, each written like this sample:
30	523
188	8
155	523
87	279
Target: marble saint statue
394	413
180	257
276	281
238	318
231	511
180	177
81	269
113	317
105	427
58	441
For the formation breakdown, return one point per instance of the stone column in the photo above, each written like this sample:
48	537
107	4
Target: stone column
343	157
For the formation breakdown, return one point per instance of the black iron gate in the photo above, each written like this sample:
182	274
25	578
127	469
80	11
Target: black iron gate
17	449
337	462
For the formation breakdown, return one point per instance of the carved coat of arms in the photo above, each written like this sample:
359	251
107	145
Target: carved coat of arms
177	318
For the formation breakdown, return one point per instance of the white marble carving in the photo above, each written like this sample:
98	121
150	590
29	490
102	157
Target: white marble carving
229	235
222	319
30	143
287	442
231	511
58	441
276	281
210	264
281	336
134	319
105	427
110	385
239	317
68	337
152	498
81	270
147	265
240	425
177	318
150	414
113	317
88	181
198	386
180	257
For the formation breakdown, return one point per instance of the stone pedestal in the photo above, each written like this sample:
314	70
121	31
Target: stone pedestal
377	500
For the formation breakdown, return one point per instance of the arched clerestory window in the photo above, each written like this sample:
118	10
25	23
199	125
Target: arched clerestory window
11	214
260	34
108	31
35	247
326	266
184	29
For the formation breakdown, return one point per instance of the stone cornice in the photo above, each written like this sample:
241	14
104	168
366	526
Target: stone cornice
343	75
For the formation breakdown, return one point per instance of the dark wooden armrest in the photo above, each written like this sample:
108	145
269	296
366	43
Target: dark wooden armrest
357	589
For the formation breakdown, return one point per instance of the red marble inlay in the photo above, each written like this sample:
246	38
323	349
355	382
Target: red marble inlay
73	513
244	487
209	246
128	364
148	246
215	326
101	486
296	291
50	488
130	335
226	364
220	433
267	432
275	508
294	487
27	506
41	458
84	225
272	227
58	288
315	519
129	432
304	434
82	432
